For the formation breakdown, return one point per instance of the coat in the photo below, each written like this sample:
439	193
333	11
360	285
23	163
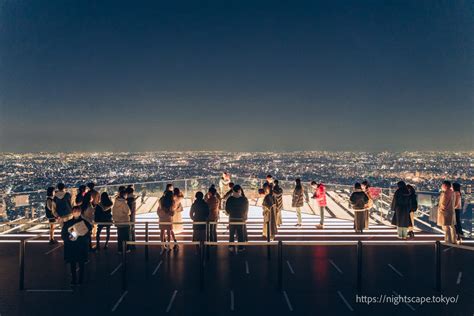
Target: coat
237	208
297	198
120	211
278	195
358	200
401	206
77	250
446	214
269	215
320	195
214	205
103	213
199	212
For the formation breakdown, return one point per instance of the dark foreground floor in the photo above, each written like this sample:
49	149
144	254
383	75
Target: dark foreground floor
318	280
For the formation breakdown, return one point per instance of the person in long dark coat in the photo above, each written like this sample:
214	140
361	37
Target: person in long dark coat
76	248
199	213
269	213
413	208
401	205
103	214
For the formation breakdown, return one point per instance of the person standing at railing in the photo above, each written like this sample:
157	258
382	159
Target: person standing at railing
88	196
370	204
103	214
81	192
458	211
76	244
401	205
121	217
213	201
269	213
165	215
237	206
199	212
358	200
278	195
297	201
446	213
413	208
89	213
178	209
48	207
62	207
132	205
227	194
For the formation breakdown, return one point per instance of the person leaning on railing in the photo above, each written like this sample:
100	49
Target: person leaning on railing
237	206
458	211
278	195
213	201
62	207
199	212
401	206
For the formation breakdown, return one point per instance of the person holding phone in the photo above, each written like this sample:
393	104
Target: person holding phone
75	234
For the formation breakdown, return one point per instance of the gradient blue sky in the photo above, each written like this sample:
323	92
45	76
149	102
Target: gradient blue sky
236	75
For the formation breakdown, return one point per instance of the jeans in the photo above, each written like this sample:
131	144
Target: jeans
213	232
99	230
123	234
402	232
298	215
239	230
321	214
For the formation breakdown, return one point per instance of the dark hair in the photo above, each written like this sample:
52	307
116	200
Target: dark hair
231	184
411	189
261	191
176	191
357	185
366	183
130	190
122	191
269	176
447	183
121	188
76	208
298	184
276	182
199	195
401	184
313	183
212	190
82	188
105	199
457	187
50	191
166	201
236	188
61	186
168	186
91	185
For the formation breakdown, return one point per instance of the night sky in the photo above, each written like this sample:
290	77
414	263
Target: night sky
236	75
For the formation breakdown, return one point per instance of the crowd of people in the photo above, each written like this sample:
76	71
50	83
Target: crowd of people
90	212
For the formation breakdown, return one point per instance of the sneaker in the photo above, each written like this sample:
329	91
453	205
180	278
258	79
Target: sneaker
52	241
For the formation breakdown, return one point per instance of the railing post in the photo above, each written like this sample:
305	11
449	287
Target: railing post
359	266
22	265
146	240
201	265
438	265
280	265
124	266
268	240
208	238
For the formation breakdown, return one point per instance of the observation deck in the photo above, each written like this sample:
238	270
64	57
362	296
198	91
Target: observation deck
306	271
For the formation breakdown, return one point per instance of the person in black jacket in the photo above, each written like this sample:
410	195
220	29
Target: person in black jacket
62	203
76	244
358	203
103	214
199	213
237	206
401	207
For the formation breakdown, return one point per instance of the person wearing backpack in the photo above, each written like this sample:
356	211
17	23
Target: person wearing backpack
62	203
